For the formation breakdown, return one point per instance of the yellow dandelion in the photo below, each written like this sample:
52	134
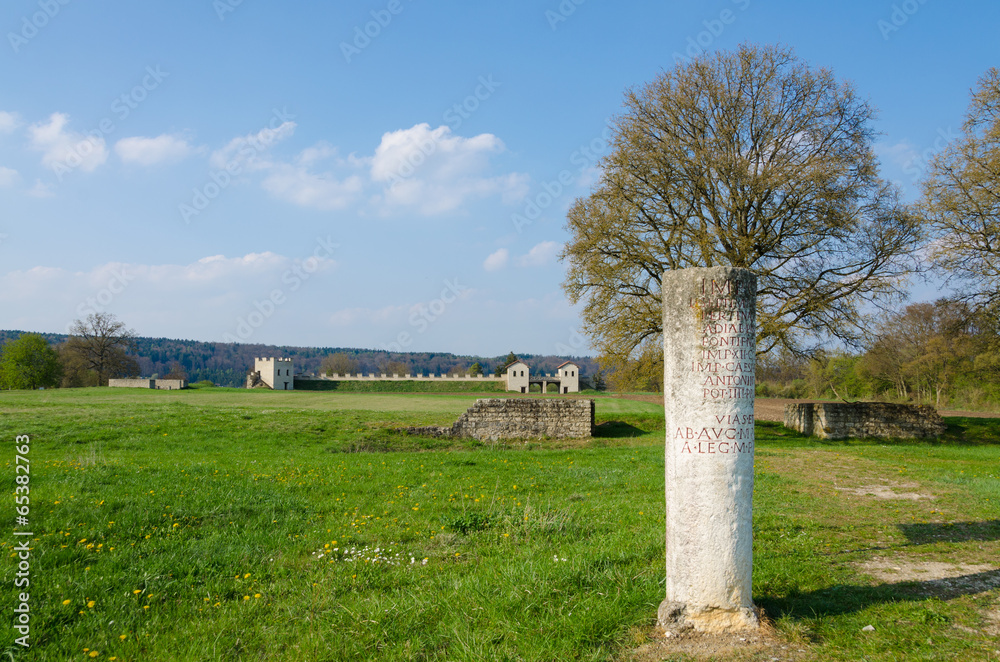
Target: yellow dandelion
137	591
66	602
146	607
246	575
94	653
123	637
246	597
90	605
256	595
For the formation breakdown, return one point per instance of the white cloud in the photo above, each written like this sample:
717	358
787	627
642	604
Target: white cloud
540	255
321	151
435	172
150	151
41	190
319	191
900	154
248	151
64	150
497	260
8	177
160	298
8	121
420	168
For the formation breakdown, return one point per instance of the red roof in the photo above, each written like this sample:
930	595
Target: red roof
566	363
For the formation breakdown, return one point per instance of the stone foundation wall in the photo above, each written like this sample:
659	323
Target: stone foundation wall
854	420
492	419
131	383
160	384
170	384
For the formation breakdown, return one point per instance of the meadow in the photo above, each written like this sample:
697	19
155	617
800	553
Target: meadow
225	524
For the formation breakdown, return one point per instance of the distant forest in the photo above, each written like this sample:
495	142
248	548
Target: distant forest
227	364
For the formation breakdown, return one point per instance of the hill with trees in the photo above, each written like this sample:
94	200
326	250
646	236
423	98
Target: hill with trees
227	364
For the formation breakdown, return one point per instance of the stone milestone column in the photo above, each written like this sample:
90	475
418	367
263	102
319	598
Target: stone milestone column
709	327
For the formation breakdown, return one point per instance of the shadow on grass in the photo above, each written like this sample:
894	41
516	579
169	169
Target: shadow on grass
966	431
922	534
617	429
960	431
846	599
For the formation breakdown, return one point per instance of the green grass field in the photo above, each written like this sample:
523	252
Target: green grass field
225	524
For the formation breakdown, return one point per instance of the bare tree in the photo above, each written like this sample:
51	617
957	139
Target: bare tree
749	159
339	364
101	345
962	198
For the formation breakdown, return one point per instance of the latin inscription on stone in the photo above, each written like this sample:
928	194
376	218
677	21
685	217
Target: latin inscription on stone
725	364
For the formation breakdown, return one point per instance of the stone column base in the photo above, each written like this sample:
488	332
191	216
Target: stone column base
713	620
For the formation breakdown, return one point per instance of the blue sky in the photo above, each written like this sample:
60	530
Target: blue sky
350	173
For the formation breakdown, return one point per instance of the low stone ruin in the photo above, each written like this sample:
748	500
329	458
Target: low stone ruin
856	420
158	384
492	419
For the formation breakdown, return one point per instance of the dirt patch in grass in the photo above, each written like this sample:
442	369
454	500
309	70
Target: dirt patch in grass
993	623
760	645
887	491
903	570
939	579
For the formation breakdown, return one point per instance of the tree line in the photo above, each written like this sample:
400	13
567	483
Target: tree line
101	347
939	353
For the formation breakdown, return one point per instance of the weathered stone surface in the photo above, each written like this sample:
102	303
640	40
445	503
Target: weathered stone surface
492	419
709	328
853	420
160	384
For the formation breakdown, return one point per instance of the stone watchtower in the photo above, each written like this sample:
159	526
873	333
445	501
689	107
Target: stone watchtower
518	375
276	373
569	377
